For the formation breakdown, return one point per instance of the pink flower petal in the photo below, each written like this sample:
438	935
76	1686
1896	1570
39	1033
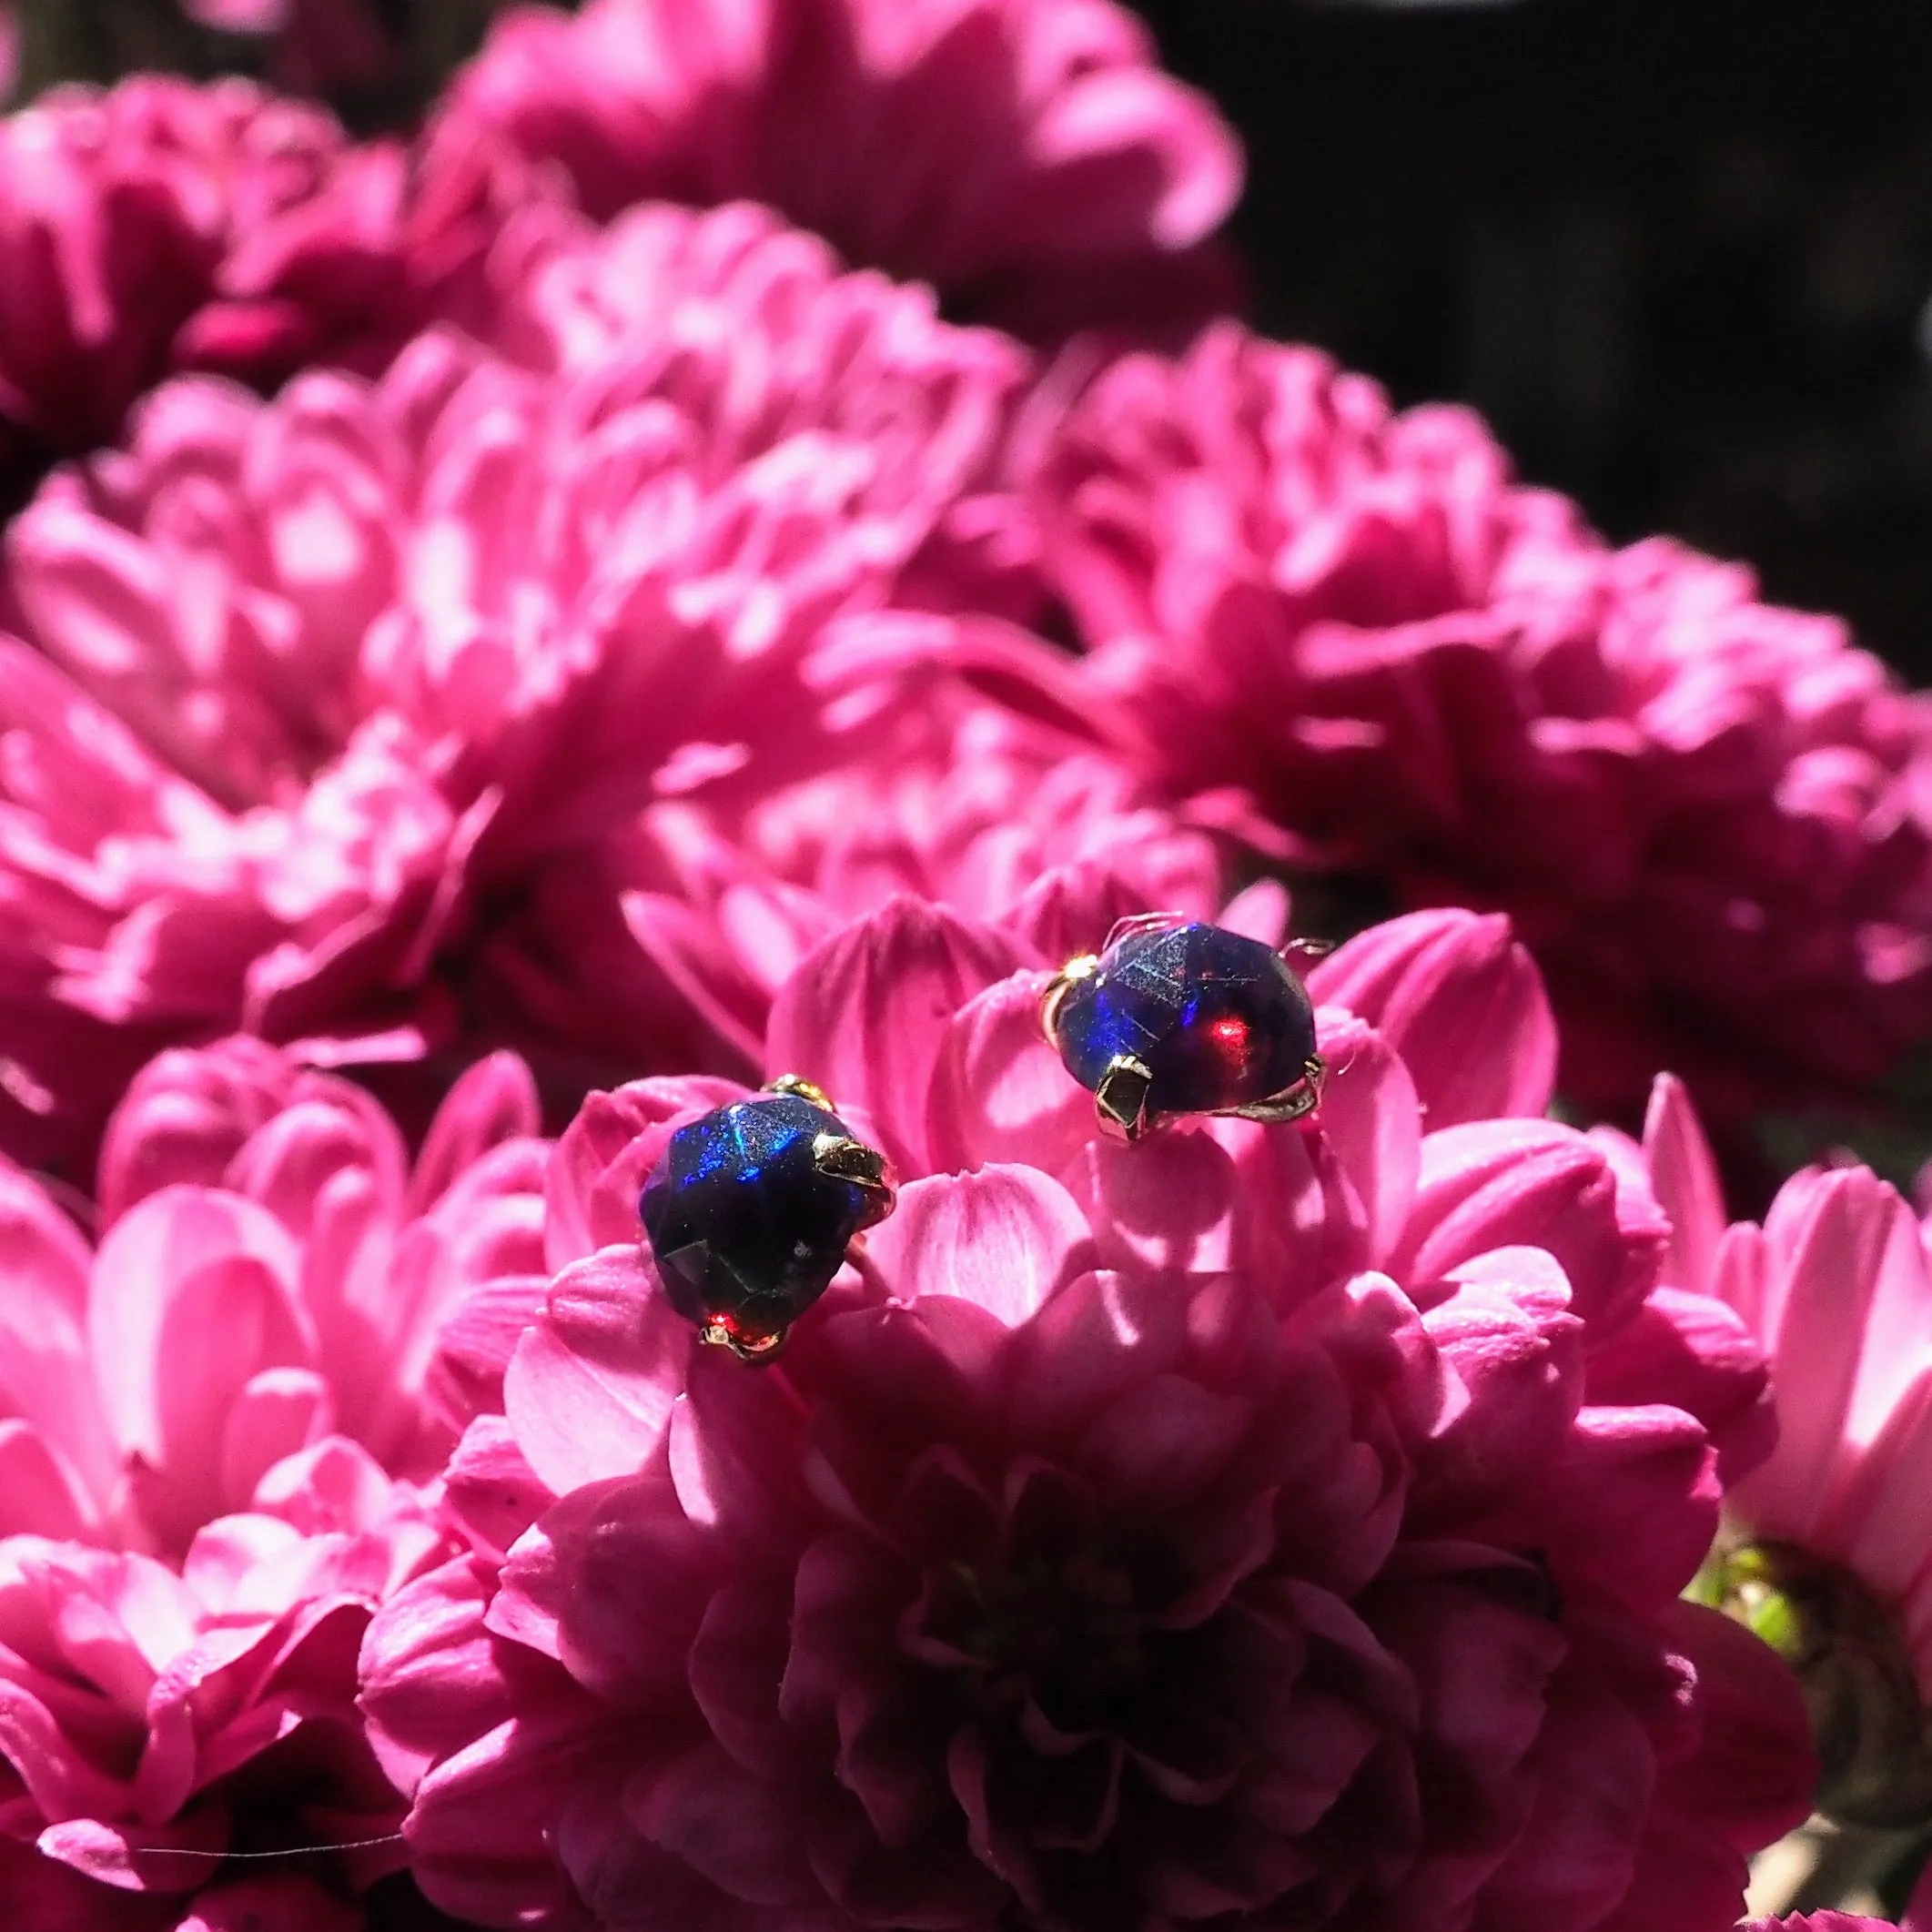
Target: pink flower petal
495	1101
1529	1184
867	1013
491	1489
1692	1352
1010	1236
570	1589
1684	1176
41	1494
1632	1502
744	1833
277	1413
1370	1115
287	1904
475	1341
1170	1202
170	1241
1844	1258
1517	1353
1462	1001
46	1376
999	1091
599	1165
590	1388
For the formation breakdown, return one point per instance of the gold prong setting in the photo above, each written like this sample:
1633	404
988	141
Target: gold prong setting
1081	967
840	1157
797	1088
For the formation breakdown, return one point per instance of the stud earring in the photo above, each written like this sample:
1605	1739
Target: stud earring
751	1208
1176	1017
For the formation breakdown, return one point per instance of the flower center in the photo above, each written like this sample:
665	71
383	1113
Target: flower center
1068	1633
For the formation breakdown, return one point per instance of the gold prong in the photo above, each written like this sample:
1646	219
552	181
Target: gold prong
799	1089
1292	1103
845	1158
1309	949
1083	966
1139	923
1120	1100
716	1335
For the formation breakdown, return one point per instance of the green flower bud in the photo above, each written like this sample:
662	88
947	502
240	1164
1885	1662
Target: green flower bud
1869	1724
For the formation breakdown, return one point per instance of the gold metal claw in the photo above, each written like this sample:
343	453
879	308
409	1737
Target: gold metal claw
1082	966
1139	923
845	1158
1292	1103
1120	1100
799	1089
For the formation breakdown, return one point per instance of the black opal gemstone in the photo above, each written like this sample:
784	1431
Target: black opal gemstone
745	1230
1216	1018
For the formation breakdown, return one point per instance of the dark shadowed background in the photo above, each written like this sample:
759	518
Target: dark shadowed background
1681	254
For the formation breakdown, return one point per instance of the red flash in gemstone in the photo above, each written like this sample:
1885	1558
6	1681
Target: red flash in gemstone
1232	1034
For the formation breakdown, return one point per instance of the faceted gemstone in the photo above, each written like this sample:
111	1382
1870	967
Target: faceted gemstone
745	1230
1216	1018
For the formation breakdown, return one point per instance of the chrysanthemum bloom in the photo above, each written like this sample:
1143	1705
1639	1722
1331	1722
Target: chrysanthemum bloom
1709	818
160	226
1027	157
1915	1917
209	1429
762	336
1025	822
326	705
1818	1922
1828	1545
255	1326
1216	1530
156	1721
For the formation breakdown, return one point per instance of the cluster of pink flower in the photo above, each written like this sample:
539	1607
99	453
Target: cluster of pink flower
542	608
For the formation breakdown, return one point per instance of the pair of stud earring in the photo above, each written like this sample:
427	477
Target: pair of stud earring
752	1209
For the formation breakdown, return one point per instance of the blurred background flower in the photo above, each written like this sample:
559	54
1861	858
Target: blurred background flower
1044	173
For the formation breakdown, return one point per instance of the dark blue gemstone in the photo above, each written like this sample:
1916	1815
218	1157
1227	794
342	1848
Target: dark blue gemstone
1216	1018
745	1228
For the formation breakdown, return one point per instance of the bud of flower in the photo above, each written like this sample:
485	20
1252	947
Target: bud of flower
1867	1721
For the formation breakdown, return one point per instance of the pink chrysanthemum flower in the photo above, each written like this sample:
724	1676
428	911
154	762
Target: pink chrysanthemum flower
1027	157
1709	819
160	226
1220	1529
254	1329
215	1460
156	1721
1917	1916
1023	821
1818	1922
319	697
763	336
1828	1543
